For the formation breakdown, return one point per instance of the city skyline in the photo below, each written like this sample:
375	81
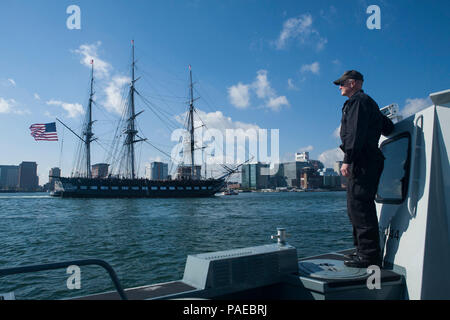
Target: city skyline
256	64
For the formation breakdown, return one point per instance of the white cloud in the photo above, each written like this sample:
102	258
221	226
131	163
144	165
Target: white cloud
113	91
37	97
73	109
321	42
291	85
313	68
294	27
6	106
329	157
306	149
239	95
336	62
414	105
337	132
217	125
276	103
88	53
301	29
12	82
262	85
217	120
10	106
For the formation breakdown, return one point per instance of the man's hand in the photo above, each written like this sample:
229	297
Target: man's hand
344	170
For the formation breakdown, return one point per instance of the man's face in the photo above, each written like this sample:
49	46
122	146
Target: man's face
346	87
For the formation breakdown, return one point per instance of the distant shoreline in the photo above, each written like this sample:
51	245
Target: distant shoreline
20	191
290	191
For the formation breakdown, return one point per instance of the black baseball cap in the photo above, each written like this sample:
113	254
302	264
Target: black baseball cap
351	74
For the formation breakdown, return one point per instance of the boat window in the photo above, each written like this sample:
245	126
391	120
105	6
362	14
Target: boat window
393	185
163	188
125	188
203	188
104	188
114	188
188	188
94	187
196	188
144	188
135	188
180	188
83	187
171	188
156	188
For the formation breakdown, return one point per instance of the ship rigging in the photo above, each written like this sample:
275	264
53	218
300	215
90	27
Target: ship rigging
122	179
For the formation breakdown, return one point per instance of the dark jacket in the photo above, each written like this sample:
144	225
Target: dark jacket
361	127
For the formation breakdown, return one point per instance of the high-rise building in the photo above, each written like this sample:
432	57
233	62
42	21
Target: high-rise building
302	156
158	171
100	170
310	179
9	177
327	172
292	173
255	176
278	180
28	179
316	164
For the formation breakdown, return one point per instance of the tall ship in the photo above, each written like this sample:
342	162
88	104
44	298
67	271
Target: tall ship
125	182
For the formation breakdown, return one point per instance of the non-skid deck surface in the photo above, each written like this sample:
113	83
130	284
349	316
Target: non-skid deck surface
146	292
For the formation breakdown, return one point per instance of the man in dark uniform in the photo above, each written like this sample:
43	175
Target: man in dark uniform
361	127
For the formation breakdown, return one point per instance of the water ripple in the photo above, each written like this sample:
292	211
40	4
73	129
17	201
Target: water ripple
148	240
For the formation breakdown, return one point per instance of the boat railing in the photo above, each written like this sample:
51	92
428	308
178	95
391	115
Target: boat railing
61	265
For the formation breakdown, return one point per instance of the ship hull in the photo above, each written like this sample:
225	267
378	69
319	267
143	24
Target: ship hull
135	188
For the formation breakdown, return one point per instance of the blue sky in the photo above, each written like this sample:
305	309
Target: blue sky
262	64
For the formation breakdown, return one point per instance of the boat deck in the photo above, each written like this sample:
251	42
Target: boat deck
145	292
290	289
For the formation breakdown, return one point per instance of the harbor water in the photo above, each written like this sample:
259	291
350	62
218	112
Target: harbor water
147	241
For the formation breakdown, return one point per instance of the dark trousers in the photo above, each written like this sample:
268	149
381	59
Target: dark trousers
362	187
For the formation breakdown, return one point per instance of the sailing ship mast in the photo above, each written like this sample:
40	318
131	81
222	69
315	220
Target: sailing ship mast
88	132
191	122
131	131
84	160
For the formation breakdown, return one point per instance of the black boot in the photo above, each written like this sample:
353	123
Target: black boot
360	262
350	256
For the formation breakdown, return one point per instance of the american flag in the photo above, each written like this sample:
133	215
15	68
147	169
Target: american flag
44	132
